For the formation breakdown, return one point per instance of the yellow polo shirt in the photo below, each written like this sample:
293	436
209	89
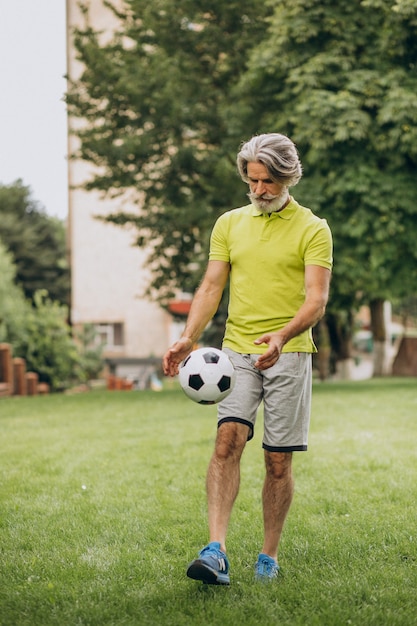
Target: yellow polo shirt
268	254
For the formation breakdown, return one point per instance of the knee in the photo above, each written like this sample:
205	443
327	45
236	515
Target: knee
231	440
278	465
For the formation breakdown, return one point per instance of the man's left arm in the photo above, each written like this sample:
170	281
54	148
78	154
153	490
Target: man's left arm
317	284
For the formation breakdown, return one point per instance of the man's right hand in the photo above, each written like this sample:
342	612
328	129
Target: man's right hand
175	355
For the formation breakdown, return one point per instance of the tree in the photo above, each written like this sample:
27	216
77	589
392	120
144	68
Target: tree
167	101
39	333
49	348
36	241
339	78
12	299
155	100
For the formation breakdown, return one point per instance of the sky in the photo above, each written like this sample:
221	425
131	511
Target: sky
33	125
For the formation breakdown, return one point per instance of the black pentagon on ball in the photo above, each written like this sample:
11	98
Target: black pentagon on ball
211	357
195	381
224	383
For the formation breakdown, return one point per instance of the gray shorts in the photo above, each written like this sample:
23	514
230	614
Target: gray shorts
284	388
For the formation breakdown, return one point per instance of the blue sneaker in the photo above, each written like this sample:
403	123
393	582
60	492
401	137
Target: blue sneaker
266	568
212	566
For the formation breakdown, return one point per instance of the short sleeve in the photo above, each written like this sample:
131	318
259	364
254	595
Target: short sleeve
320	247
219	250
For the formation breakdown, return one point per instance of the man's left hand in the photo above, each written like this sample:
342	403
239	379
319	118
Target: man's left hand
271	356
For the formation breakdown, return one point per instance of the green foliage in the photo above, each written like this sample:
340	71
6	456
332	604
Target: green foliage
407	310
46	344
89	353
170	98
340	79
39	332
36	241
95	531
155	101
12	300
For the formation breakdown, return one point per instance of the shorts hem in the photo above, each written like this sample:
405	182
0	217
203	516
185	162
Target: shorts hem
239	420
284	448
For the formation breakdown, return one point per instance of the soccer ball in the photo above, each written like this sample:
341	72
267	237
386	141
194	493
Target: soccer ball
207	375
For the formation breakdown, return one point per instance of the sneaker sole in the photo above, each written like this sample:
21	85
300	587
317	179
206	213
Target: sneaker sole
198	570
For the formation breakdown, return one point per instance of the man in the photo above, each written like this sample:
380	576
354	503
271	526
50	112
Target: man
278	257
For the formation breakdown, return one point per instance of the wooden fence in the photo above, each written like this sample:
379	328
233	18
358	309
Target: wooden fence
14	379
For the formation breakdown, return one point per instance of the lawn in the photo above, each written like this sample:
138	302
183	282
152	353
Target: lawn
102	506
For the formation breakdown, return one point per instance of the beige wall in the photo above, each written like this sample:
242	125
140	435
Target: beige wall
108	273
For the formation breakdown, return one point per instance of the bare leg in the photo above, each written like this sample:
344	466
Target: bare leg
223	478
276	498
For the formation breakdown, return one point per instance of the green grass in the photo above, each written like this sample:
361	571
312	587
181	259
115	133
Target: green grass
102	505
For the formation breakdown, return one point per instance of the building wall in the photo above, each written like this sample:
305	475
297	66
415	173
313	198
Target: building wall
108	272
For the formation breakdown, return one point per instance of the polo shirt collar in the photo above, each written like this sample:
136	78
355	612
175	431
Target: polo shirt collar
285	214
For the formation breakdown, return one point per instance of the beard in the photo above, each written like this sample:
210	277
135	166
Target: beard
267	203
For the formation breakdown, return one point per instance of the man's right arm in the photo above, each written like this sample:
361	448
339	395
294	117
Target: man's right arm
204	306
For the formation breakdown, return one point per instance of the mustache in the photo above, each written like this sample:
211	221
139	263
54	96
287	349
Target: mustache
261	196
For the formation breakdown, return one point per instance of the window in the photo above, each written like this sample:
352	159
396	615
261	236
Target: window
110	335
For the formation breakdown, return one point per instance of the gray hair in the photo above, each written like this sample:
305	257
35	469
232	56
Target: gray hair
277	153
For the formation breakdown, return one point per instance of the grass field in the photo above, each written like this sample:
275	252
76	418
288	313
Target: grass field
102	506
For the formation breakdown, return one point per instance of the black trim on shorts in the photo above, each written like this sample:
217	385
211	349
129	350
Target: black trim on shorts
239	420
284	448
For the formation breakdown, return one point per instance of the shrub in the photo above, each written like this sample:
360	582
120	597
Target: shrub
13	305
45	342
